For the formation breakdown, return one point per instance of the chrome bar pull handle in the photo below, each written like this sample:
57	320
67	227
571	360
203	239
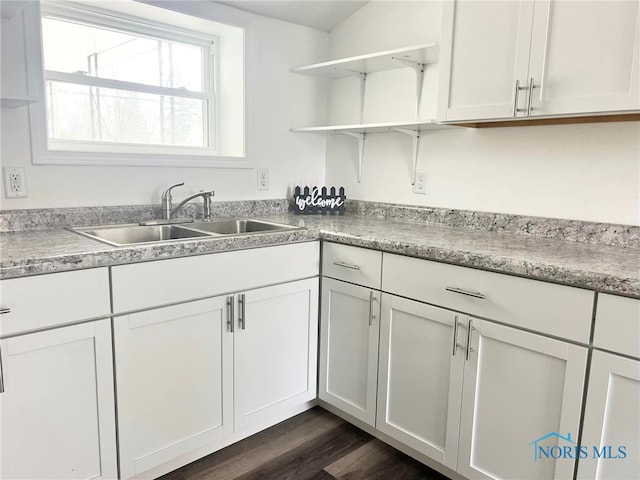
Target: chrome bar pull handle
455	336
4	310
230	313
346	265
1	374
372	316
517	97
531	87
469	330
241	319
465	292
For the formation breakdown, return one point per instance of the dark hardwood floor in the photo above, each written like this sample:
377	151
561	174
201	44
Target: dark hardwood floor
315	445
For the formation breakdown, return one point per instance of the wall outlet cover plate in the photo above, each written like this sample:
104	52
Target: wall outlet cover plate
15	183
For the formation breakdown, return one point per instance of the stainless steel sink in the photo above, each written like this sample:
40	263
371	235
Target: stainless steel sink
120	235
134	234
238	226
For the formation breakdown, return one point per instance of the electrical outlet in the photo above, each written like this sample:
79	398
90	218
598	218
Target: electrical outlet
263	179
421	183
15	184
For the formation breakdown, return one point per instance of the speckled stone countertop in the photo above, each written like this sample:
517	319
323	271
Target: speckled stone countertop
605	268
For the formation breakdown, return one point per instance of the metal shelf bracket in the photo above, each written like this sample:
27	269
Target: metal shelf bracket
415	134
419	69
360	137
362	77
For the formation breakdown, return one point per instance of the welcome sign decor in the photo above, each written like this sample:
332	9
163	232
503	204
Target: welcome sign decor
316	200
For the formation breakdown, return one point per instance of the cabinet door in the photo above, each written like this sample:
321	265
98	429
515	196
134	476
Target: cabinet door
612	419
521	391
174	382
349	331
485	51
57	407
420	378
585	57
13	81
275	351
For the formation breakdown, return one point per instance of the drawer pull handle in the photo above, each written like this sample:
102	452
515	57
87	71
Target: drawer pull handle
465	292
4	310
347	265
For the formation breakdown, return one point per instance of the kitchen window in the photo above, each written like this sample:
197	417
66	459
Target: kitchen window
120	89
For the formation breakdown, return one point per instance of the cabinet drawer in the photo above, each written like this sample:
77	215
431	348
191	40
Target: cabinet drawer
352	264
544	307
47	300
146	285
617	325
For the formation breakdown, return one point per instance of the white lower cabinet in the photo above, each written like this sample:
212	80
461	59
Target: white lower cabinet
420	379
211	349
195	376
521	393
474	395
57	407
275	351
611	431
349	331
174	375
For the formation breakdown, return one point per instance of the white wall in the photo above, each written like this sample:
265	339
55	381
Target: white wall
585	172
277	100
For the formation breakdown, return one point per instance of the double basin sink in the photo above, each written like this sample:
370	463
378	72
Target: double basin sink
133	234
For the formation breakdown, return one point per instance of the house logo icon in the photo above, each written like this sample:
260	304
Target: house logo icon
554	451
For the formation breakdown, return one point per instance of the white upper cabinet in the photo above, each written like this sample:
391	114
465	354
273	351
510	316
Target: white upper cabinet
485	53
13	84
584	56
539	58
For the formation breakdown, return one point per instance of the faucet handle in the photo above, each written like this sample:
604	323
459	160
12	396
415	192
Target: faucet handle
166	201
167	192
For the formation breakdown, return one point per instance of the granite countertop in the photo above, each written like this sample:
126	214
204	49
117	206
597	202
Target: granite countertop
605	268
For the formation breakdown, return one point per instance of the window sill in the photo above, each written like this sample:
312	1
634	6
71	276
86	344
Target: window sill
61	157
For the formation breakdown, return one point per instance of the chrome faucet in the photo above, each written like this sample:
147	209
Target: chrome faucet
168	210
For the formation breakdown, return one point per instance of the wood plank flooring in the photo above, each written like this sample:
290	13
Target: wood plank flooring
315	445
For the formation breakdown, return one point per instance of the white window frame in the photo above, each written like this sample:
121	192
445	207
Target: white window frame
66	152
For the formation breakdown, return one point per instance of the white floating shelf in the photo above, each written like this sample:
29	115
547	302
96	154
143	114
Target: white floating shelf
419	125
372	62
360	132
15	102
